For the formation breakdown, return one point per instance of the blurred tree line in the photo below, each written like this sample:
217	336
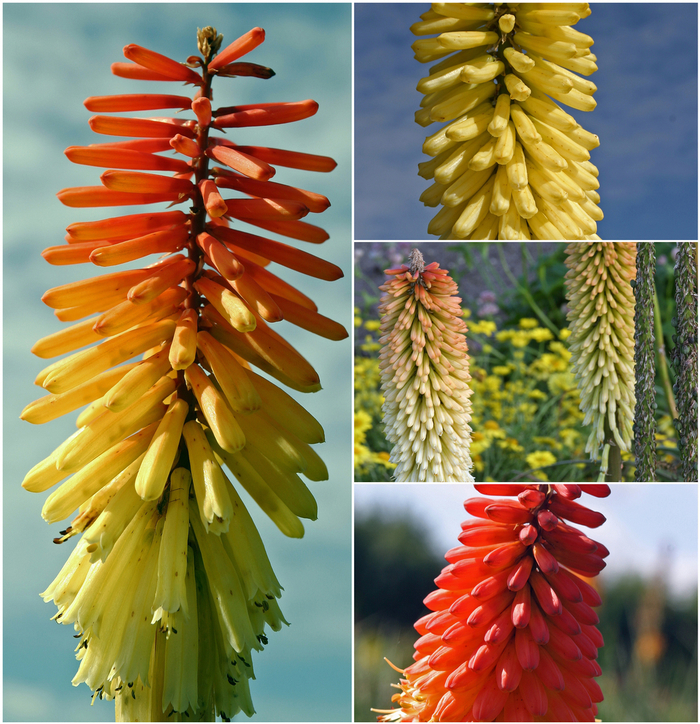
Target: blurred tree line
649	661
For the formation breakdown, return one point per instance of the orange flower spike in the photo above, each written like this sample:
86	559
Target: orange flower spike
242	162
316	203
126	226
134	102
265	114
185	146
202	109
300	230
183	349
310	320
266	209
274	285
161	64
167	241
134	182
139	127
538	655
225	262
238	48
124	158
213	203
291	159
229	305
71	253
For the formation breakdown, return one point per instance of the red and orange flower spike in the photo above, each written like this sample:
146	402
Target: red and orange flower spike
169	587
512	632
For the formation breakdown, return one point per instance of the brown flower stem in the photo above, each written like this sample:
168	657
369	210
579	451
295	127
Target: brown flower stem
663	364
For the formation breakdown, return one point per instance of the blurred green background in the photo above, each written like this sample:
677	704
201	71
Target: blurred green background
649	616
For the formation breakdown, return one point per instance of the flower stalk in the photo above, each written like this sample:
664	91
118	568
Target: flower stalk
169	586
685	359
511	634
424	366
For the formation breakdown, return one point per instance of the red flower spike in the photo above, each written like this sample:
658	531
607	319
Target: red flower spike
134	102
238	48
596	489
134	182
134	71
251	70
125	226
293	229
290	159
242	162
266	209
161	64
83	197
159	242
213	202
142	145
139	127
576	513
125	159
570	491
535	639
316	203
185	146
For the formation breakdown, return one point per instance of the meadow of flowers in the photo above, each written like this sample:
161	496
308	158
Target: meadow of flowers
526	421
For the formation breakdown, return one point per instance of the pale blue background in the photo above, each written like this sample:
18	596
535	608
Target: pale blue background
647	120
55	55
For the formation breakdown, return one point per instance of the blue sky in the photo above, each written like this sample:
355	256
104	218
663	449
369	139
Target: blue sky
56	55
650	529
646	118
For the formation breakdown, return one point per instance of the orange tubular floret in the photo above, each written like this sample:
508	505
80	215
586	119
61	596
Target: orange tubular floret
290	159
167	274
213	202
83	197
226	263
202	109
257	298
245	69
266	114
140	127
159	242
185	146
294	229
83	292
268	281
134	102
310	320
238	48
134	71
248	165
124	158
316	203
71	253
265	209
134	182
161	64
126	226
283	254
142	145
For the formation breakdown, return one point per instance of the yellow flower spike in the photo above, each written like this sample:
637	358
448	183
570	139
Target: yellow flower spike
109	428
88	480
601	343
518	62
183	348
235	384
155	469
138	381
425	374
210	483
215	409
171	589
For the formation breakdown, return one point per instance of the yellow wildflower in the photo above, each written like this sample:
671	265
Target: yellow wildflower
541	334
373	325
564	334
540	459
483	326
528	323
510	443
502	370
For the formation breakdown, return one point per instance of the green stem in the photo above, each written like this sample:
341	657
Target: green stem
526	294
663	365
614	474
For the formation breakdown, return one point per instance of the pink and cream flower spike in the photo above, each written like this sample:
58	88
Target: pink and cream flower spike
169	588
512	632
425	374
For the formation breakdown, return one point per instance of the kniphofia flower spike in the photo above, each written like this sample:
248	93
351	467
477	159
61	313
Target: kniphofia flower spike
425	374
512	632
169	587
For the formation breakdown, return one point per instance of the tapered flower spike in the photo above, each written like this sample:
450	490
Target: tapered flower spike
170	588
601	320
645	365
512	632
685	358
425	374
509	163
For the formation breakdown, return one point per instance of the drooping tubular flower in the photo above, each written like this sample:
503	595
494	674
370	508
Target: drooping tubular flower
510	163
425	374
601	320
170	588
512	632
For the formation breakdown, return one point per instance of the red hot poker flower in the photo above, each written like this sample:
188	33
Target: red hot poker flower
512	632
